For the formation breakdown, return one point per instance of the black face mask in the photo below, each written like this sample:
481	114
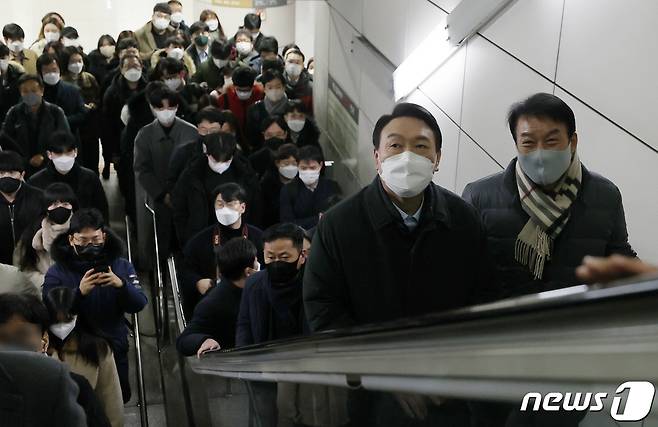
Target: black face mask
59	215
89	252
274	143
281	271
9	185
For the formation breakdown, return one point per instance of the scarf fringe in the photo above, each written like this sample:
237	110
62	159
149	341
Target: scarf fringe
534	254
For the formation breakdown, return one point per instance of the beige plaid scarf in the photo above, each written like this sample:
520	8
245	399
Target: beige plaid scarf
548	213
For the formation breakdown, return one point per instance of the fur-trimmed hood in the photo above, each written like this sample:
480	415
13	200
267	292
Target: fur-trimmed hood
62	252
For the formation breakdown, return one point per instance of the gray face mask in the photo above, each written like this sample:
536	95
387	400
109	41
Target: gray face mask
545	167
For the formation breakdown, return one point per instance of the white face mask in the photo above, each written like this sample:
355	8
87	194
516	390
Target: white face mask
125	115
218	167
16	46
255	35
212	24
133	75
407	174
4	64
160	23
274	95
107	51
176	53
227	216
63	330
256	265
243	48
288	172
296	125
51	78
243	95
174	83
220	63
309	177
70	42
75	67
166	117
177	17
63	164
51	37
293	70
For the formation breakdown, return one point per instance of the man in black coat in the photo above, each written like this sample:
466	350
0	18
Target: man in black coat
544	130
9	75
63	167
214	321
31	122
20	204
199	271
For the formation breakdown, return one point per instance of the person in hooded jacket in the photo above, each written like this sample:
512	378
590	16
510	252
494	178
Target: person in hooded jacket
199	271
88	260
20	203
193	198
63	167
33	252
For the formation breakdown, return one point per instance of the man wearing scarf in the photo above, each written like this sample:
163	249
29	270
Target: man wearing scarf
547	211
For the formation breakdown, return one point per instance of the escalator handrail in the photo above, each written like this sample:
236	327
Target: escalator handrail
141	384
159	280
181	321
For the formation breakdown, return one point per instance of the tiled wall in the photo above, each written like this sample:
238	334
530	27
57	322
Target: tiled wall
600	56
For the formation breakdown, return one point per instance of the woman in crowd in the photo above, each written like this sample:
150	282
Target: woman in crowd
51	31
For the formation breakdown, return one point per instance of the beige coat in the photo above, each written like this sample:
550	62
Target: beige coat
103	378
187	61
146	41
14	281
27	59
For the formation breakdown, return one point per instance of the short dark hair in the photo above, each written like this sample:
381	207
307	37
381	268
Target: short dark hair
70	33
4	50
156	92
287	47
170	66
311	153
220	49
126	34
59	192
295	105
542	105
67	53
286	151
220	145
269	120
407	109
234	256
128	57
126	43
61	141
105	38
230	192
244	76
30	78
252	21
175	40
275	64
210	114
270	75
86	218
47	59
269	44
243	32
13	31
296	52
162	7
11	161
29	307
199	26
229	117
285	230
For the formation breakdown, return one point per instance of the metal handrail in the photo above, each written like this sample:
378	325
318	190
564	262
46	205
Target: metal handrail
160	284
181	321
141	385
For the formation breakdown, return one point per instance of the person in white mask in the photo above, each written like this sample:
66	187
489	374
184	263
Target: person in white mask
177	17
285	169
154	145
63	167
51	31
215	72
154	34
244	45
299	84
199	267
252	23
175	49
550	210
303	130
214	25
300	200
274	103
14	37
219	164
77	343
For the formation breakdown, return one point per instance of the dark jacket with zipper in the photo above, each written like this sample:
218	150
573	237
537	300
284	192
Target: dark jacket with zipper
9	94
107	305
69	98
367	267
84	182
300	205
200	262
596	227
15	217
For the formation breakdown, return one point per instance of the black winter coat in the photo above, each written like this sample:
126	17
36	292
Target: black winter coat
365	266
85	184
9	94
301	206
69	98
16	217
597	227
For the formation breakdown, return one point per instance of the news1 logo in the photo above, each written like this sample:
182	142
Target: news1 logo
636	406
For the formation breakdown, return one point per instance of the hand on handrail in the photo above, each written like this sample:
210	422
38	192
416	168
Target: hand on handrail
208	345
603	270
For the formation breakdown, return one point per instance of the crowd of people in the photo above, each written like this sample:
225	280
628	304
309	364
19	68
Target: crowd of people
217	135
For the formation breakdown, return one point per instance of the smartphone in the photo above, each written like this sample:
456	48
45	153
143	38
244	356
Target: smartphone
102	269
